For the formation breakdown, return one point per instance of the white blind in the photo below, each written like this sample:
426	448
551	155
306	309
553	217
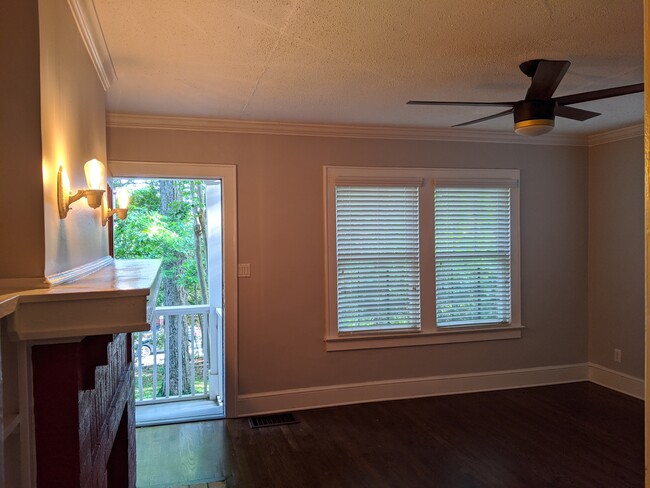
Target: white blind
377	258
472	254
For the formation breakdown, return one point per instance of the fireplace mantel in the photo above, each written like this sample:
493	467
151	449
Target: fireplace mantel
66	392
109	301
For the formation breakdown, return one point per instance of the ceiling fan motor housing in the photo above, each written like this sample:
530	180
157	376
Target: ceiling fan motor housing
534	109
534	117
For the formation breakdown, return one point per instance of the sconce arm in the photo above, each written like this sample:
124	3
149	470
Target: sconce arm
120	212
77	196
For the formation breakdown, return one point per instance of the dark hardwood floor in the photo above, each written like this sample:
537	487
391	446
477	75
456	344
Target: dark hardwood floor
574	435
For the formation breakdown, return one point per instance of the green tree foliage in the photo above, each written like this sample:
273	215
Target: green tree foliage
149	234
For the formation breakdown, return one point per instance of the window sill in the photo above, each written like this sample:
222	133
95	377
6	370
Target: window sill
401	339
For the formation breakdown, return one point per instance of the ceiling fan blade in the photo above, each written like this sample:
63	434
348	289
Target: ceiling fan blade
546	79
468	104
574	113
600	94
482	119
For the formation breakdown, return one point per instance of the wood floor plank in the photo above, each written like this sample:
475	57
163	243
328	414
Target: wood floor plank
565	436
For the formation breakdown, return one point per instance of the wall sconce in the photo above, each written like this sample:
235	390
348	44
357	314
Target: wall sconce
120	211
94	171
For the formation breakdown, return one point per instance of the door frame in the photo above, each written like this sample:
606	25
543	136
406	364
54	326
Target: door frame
646	118
228	176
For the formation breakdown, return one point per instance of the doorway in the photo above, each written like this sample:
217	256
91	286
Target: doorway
185	365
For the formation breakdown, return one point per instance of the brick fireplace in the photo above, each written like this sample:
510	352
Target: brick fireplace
84	415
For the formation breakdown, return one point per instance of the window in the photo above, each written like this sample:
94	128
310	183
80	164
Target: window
421	256
377	258
472	249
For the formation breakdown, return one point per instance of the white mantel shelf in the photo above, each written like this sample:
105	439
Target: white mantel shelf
110	301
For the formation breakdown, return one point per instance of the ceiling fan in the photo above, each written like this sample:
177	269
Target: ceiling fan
535	114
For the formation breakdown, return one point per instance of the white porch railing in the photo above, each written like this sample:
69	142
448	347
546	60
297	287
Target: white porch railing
176	360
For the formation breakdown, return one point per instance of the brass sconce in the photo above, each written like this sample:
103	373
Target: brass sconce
94	171
120	211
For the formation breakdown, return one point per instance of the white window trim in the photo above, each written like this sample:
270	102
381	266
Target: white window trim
428	332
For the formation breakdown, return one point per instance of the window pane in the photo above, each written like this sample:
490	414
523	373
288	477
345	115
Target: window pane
378	258
472	250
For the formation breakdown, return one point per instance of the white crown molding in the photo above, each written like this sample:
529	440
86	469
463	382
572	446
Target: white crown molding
615	135
134	121
79	272
615	380
375	391
85	16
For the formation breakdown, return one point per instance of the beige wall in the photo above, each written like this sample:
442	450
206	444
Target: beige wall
53	114
280	221
73	131
21	197
616	254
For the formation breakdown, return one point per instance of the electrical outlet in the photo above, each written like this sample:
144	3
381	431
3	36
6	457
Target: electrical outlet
617	355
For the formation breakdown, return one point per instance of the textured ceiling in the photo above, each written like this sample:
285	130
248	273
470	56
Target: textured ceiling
359	61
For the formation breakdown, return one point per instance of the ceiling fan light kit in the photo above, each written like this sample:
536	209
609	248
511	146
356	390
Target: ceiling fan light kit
534	127
534	118
535	114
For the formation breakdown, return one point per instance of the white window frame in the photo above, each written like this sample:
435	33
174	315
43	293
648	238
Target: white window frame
428	333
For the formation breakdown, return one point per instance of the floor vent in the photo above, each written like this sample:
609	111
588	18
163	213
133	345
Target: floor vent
272	420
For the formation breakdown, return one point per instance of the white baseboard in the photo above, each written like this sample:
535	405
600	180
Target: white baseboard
328	396
614	380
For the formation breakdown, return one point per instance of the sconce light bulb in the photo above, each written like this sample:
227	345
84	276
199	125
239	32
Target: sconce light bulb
94	170
122	198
